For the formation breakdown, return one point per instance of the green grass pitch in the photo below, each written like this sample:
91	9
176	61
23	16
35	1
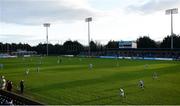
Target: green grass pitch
72	82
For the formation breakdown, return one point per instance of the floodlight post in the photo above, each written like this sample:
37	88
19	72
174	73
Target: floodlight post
7	48
172	43
88	20
47	25
171	12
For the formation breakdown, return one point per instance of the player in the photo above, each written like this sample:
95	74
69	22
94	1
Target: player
1	66
141	84
155	76
145	66
90	66
40	62
122	94
27	72
38	69
117	64
58	61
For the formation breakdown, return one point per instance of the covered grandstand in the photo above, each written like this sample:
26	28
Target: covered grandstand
139	52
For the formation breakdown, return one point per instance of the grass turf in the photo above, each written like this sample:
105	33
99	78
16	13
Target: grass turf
71	81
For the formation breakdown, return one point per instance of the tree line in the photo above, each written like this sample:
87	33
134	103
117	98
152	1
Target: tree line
75	48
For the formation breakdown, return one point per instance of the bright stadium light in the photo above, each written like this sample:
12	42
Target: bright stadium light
88	20
47	25
171	12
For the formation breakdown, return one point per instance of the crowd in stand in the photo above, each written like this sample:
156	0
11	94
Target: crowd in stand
5	84
8	85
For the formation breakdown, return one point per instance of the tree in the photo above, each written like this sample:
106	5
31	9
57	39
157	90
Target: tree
68	47
78	46
41	48
146	42
58	49
166	43
112	45
72	47
93	46
13	47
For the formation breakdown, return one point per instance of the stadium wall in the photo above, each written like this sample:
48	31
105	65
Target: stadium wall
135	58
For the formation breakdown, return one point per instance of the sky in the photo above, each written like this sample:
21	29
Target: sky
22	20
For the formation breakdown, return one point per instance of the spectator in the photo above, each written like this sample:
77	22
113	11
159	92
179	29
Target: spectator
3	83
9	102
0	82
22	86
9	85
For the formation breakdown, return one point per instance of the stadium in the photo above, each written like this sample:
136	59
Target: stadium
35	70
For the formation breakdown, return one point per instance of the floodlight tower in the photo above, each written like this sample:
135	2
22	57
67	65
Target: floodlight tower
47	25
171	12
88	20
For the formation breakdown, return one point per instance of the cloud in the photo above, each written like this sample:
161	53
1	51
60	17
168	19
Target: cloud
151	6
40	11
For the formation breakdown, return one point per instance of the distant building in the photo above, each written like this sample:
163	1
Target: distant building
24	52
127	44
5	55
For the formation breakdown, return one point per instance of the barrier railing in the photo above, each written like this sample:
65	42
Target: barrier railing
17	99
